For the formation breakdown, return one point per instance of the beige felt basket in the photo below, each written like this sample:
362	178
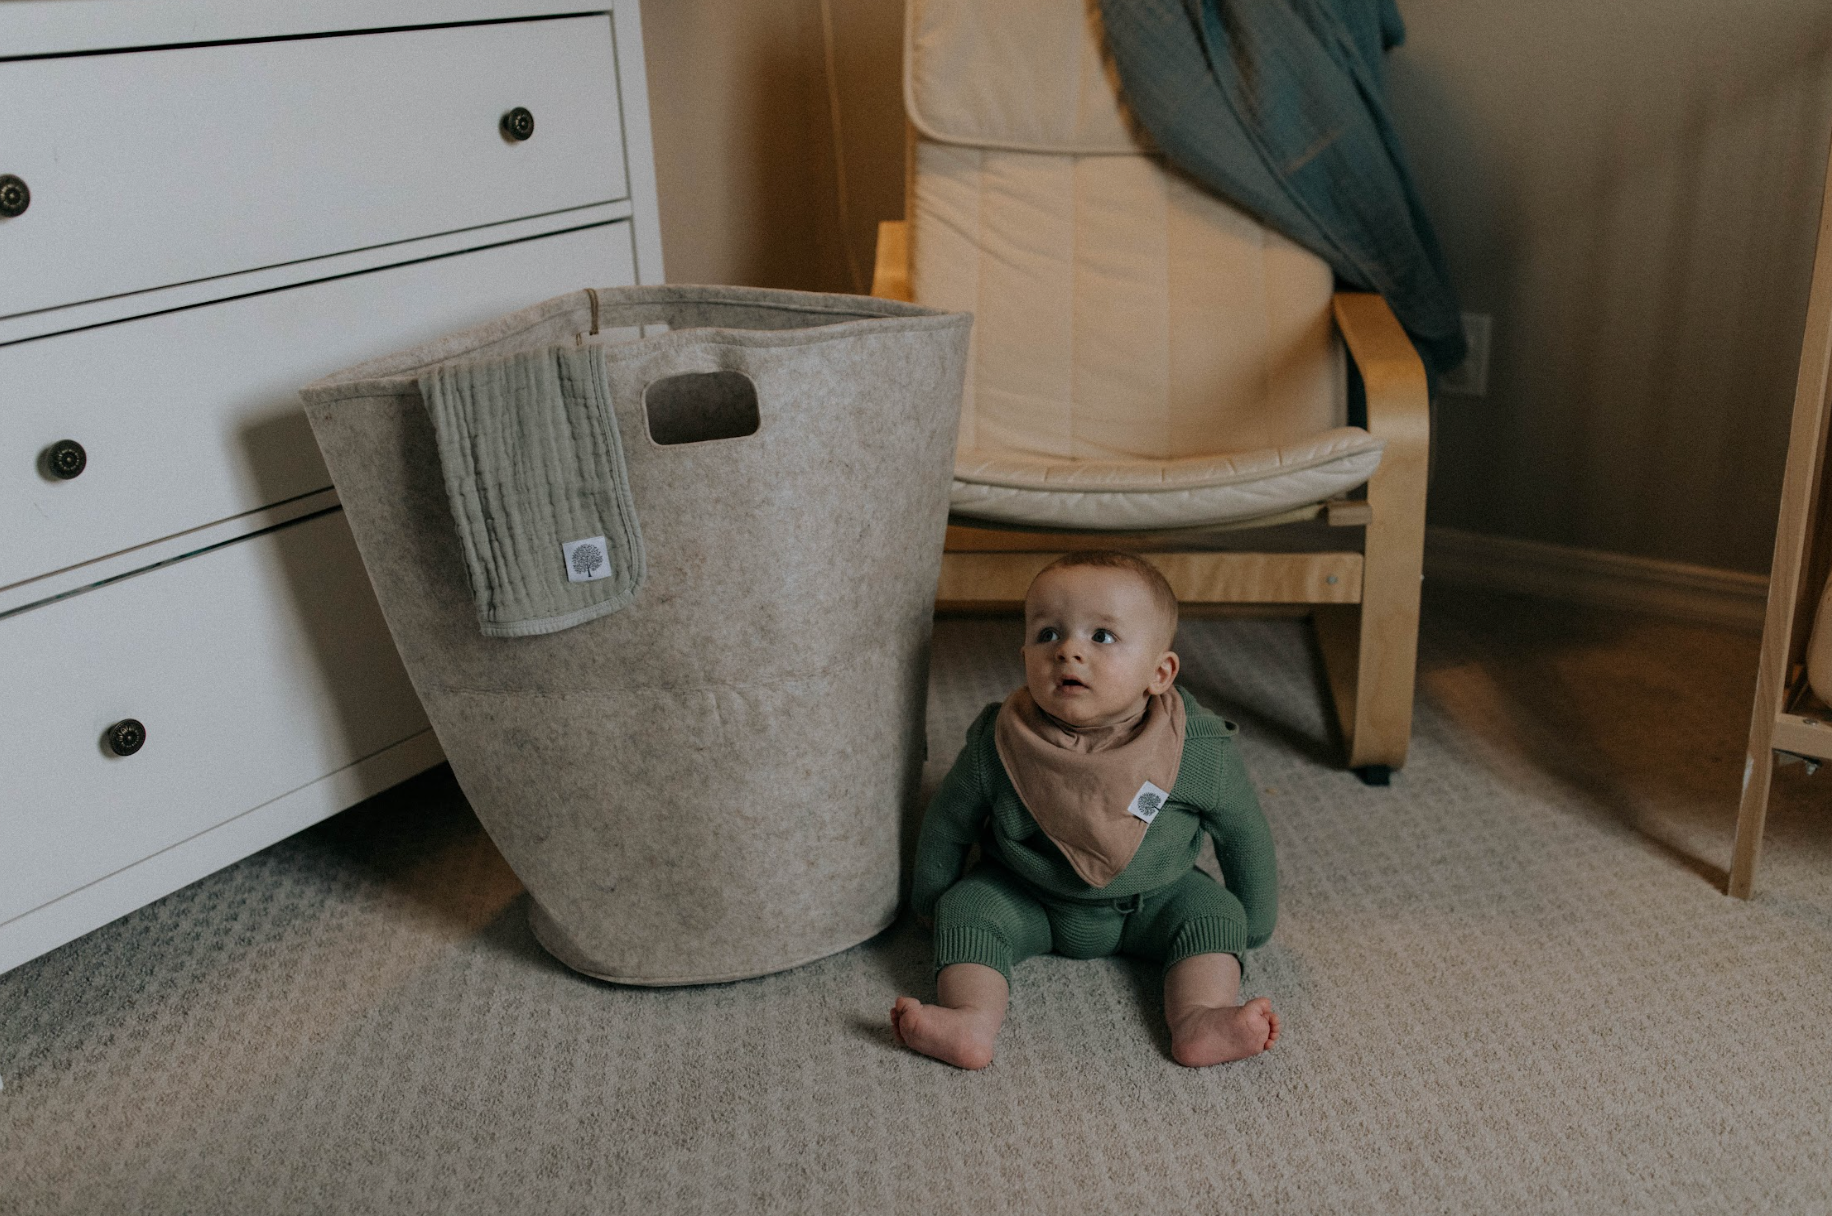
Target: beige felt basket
712	782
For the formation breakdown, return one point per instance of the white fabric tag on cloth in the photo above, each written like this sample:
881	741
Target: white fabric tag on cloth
1147	802
586	559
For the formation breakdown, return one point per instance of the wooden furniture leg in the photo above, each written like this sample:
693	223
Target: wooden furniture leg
1752	813
1803	553
1371	651
890	272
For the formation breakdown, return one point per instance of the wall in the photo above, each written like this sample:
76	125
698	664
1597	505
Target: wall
1631	189
744	137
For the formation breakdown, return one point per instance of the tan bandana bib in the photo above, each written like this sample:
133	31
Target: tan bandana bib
1093	792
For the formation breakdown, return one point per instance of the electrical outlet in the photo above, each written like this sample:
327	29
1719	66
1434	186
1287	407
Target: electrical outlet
1470	379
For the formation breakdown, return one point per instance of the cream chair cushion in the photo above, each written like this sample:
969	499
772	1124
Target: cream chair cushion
1144	354
1819	647
1148	495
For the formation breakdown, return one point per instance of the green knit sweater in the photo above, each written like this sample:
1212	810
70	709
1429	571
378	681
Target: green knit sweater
977	804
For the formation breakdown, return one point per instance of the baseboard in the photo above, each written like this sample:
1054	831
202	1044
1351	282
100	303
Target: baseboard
45	928
1588	576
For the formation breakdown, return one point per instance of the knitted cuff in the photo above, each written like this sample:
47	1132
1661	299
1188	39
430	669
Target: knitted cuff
1207	935
972	944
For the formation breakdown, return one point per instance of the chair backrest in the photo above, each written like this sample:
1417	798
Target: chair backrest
1122	311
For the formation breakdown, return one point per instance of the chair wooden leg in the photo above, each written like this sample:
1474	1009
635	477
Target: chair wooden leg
1372	647
1751	816
1378	730
1372	655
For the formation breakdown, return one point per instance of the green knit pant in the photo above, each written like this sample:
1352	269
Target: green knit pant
994	918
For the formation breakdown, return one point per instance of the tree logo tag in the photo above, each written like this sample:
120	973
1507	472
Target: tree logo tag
586	559
1147	802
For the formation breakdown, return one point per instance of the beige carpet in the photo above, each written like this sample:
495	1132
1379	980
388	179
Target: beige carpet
1509	984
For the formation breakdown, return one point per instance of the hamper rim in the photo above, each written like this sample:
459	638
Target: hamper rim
393	373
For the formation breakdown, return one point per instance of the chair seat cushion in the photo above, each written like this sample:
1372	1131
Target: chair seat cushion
1193	491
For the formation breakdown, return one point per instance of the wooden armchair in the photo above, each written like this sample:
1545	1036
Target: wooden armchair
1113	400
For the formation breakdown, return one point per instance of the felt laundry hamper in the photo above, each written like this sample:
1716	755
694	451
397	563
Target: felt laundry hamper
712	782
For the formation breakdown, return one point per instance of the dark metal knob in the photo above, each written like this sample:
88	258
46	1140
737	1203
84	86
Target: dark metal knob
518	124
126	736
66	459
16	196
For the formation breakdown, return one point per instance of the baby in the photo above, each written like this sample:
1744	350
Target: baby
1088	792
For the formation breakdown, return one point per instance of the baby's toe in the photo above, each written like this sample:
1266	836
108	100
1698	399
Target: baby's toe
904	1006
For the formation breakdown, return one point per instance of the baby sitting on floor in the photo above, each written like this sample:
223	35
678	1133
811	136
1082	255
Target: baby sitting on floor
1088	792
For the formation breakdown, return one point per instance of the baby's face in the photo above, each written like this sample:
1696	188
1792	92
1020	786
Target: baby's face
1095	645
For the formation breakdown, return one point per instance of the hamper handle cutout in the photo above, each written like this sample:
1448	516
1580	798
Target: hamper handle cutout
694	407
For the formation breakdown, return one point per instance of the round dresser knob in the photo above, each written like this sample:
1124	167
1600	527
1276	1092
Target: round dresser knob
66	459
15	196
518	124
126	736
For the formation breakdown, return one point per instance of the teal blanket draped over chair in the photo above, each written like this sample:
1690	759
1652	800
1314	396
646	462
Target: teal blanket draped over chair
1280	107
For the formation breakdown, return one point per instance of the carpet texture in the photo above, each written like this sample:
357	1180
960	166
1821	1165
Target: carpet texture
1509	983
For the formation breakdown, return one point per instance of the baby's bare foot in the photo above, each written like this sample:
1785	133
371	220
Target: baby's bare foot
1215	1036
960	1037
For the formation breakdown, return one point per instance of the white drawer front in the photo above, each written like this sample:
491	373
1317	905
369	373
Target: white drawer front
165	166
256	669
194	416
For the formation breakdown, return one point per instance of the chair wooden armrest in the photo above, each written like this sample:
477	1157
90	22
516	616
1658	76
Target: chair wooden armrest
1399	410
890	275
1375	647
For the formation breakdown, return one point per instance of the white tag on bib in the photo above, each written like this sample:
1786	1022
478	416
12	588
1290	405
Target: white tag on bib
586	559
1147	802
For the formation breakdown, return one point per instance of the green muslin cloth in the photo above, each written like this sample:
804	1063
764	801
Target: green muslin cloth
539	492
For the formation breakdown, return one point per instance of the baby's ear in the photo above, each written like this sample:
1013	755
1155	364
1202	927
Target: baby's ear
1165	674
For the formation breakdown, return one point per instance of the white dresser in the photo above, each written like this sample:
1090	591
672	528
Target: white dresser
204	204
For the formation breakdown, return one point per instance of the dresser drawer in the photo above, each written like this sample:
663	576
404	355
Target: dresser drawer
256	669
154	167
194	416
